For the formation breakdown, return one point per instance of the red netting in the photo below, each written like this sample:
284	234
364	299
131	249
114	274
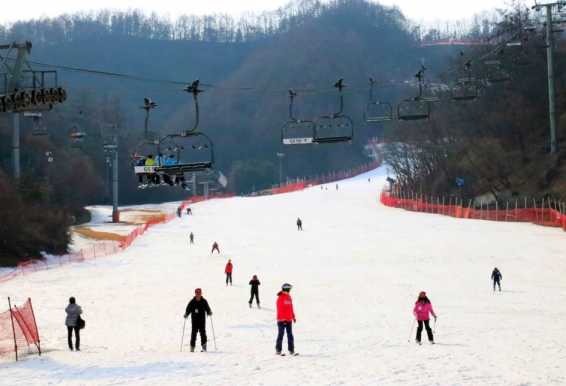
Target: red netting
18	332
542	216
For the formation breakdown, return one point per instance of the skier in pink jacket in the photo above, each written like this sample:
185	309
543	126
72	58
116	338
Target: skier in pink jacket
422	309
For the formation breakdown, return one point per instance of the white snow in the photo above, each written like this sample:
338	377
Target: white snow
356	269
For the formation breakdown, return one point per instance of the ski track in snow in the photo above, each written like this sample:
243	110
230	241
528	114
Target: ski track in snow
356	269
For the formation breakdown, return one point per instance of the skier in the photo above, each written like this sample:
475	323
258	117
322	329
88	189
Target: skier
189	211
423	308
191	238
73	311
179	212
285	319
228	271
254	291
299	224
336	186
198	308
496	276
215	248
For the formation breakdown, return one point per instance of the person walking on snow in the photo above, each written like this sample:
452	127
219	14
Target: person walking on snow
198	308
215	248
423	307
299	224
189	211
228	271
496	276
254	291
191	238
73	311
285	319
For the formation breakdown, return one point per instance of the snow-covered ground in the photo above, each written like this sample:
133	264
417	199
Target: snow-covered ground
356	269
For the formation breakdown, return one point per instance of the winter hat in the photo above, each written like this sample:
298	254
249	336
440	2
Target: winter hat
198	291
286	287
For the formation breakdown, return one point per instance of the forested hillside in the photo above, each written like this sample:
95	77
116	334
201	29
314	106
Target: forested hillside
246	68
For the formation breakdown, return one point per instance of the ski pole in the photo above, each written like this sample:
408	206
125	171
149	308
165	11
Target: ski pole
213	335
183	334
411	333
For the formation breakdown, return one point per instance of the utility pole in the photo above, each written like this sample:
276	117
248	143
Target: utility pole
550	64
280	156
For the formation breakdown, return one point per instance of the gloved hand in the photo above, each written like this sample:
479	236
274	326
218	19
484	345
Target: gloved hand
294	320
435	318
210	314
185	316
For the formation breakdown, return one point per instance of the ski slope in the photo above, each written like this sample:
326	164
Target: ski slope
356	270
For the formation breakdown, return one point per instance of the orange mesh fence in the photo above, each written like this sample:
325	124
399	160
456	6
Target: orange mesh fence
19	334
548	216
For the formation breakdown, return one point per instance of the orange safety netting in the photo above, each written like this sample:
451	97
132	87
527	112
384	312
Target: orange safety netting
542	216
18	331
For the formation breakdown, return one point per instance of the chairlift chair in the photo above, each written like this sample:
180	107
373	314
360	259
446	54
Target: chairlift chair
495	72
465	89
194	152
413	109
377	111
336	127
296	131
38	127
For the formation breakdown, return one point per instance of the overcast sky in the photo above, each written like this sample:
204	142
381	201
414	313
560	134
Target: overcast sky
418	10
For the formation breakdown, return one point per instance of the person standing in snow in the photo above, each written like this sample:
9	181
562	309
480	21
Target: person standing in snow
254	291
179	212
496	276
191	238
228	271
299	224
422	309
285	319
73	311
215	248
189	211
198	308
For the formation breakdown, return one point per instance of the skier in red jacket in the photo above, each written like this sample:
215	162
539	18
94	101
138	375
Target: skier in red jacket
285	319
228	271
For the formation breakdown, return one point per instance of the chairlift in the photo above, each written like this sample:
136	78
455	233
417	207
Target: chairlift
377	111
38	127
413	109
495	72
418	107
335	127
296	131
77	136
192	152
465	89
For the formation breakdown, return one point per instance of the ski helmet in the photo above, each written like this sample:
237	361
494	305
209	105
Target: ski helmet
286	287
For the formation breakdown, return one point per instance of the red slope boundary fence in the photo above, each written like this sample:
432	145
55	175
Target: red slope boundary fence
544	212
18	331
100	249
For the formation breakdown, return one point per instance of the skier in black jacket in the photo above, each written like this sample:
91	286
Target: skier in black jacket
496	276
198	308
254	291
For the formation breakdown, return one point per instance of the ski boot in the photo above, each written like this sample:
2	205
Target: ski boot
192	348
203	348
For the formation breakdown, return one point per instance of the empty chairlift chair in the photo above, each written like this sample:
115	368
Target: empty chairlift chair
296	131
377	111
335	127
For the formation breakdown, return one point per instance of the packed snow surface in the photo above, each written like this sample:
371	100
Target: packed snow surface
356	270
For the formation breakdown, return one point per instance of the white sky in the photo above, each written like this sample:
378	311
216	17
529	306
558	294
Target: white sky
418	10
